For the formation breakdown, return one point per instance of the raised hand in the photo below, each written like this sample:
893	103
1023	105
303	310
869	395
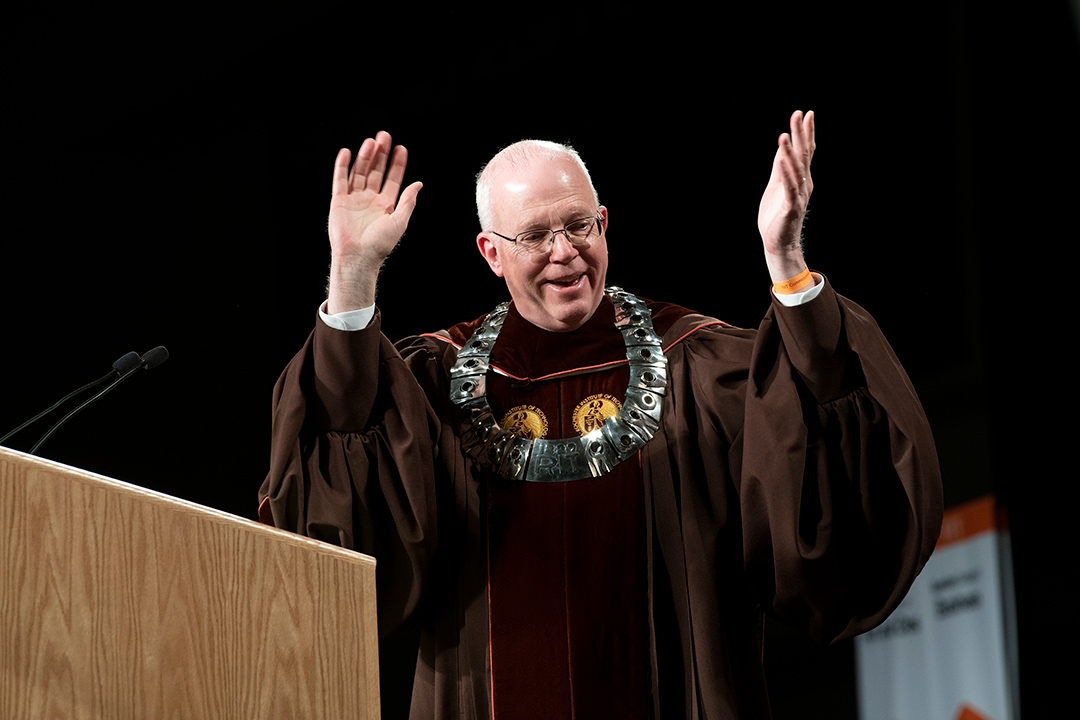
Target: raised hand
783	205
368	215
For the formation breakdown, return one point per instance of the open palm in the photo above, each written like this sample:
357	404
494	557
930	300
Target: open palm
783	205
368	215
367	219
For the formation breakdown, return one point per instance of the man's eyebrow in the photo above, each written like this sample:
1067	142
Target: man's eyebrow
535	225
577	212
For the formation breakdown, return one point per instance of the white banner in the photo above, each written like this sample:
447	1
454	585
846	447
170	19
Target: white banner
948	652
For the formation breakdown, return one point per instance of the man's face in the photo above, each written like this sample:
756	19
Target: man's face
560	288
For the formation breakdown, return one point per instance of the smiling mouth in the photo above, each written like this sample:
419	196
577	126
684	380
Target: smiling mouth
570	282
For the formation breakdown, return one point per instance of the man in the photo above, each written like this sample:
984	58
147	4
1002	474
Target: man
586	500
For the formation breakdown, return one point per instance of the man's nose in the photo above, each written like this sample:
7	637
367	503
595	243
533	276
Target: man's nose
561	247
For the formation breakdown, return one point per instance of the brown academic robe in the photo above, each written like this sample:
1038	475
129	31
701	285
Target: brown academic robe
793	471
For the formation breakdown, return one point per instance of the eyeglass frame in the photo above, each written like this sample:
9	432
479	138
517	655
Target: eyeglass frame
599	218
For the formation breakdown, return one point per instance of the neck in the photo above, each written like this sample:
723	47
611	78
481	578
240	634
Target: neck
552	324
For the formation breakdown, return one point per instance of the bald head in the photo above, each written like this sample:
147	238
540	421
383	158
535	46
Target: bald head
517	157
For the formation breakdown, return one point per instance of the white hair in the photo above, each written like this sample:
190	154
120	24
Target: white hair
521	154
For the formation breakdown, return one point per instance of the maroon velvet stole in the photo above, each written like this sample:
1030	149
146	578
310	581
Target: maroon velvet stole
567	594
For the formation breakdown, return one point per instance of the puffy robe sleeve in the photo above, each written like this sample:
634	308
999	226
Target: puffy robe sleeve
350	421
818	472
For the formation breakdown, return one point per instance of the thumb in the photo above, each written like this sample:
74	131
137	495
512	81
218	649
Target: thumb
407	202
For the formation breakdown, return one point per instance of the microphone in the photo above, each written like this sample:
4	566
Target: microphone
121	366
150	359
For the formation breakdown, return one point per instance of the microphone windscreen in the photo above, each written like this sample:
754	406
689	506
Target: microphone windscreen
127	363
153	358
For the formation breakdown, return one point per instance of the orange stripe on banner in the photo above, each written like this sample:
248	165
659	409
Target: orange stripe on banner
969	713
964	522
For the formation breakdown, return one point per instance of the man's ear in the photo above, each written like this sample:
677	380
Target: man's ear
486	244
604	215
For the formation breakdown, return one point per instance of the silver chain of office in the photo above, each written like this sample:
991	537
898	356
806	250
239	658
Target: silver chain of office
561	460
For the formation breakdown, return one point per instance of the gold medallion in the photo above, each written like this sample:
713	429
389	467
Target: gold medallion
527	421
591	412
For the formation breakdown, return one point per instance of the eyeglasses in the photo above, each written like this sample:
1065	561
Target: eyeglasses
577	232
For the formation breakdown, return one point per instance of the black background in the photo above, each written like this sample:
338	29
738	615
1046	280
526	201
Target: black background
167	173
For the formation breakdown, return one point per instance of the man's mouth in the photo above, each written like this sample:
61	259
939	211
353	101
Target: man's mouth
569	282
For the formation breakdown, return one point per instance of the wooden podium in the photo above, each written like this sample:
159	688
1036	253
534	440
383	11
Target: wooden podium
118	602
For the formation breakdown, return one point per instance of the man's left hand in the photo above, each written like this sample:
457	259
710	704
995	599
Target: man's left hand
783	205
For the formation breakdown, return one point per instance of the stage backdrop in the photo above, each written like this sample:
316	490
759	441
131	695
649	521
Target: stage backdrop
948	652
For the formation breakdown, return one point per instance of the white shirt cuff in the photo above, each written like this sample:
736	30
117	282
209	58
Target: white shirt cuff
349	320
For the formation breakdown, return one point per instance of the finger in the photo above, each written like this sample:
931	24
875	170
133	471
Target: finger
798	135
378	164
364	157
396	173
792	173
340	185
804	132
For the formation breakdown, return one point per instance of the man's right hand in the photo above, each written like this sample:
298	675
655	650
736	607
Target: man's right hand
367	219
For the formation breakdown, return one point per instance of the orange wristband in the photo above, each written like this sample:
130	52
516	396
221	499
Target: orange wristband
795	284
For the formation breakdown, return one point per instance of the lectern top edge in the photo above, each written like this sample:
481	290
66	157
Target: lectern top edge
31	463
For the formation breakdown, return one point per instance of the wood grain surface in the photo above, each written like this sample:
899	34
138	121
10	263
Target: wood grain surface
117	602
